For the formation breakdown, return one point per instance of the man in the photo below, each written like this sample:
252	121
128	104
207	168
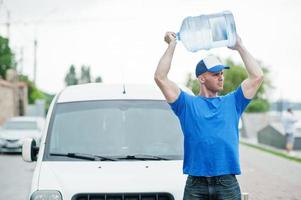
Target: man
210	123
289	121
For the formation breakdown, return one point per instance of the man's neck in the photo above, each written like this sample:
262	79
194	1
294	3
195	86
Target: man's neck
207	93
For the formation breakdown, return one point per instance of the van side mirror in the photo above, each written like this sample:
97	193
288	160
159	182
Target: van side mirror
29	150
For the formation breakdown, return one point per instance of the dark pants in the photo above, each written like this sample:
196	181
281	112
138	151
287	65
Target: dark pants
223	187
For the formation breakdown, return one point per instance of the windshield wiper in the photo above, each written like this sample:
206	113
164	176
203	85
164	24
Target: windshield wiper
84	156
142	157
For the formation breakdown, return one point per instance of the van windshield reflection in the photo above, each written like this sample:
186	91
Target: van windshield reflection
115	129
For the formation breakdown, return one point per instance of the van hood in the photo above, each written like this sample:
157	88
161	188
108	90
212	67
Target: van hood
75	177
18	134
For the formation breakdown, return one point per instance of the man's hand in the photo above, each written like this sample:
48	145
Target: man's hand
170	38
238	44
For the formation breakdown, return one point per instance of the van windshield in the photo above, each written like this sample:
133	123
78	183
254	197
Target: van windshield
114	129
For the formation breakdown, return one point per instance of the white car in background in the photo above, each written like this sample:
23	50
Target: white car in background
16	129
108	142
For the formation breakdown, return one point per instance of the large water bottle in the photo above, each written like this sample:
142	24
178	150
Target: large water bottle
208	31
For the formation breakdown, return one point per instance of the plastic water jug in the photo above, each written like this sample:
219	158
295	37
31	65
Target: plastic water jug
208	31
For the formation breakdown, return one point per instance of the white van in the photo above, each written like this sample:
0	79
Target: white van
108	142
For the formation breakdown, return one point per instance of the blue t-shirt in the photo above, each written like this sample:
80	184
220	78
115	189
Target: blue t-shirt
210	128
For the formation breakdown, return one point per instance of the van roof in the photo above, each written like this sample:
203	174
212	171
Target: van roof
101	91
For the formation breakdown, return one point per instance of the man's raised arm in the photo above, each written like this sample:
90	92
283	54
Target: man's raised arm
169	89
255	73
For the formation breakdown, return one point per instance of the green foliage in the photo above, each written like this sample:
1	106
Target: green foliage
258	105
85	76
34	93
70	78
7	59
98	79
193	84
48	98
233	78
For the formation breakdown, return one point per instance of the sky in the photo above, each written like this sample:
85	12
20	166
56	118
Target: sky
122	40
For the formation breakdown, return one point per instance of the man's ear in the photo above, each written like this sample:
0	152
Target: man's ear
201	79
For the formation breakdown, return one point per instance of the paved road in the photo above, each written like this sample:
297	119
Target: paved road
264	176
268	177
15	177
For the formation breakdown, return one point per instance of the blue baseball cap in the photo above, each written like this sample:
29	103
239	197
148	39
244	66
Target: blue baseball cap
209	64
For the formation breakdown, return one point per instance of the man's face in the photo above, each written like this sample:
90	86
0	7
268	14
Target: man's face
214	81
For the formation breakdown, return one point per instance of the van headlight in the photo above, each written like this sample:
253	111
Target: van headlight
46	195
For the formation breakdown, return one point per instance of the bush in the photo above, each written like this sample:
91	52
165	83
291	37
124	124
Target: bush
258	105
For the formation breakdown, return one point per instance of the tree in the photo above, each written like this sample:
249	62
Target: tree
98	79
233	79
7	58
33	92
193	84
70	78
7	61
85	76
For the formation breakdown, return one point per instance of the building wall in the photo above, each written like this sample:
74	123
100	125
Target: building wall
13	99
7	102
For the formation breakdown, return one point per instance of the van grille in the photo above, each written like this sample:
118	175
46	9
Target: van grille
124	196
